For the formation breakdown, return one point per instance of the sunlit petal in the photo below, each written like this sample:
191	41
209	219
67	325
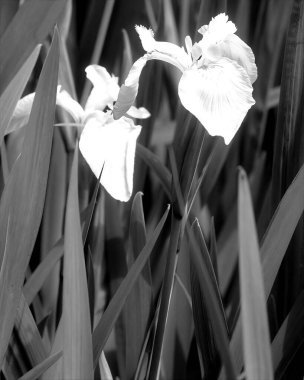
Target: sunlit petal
176	54
105	88
21	113
146	37
220	41
129	90
112	143
236	49
218	28
138	113
23	109
219	95
65	101
188	44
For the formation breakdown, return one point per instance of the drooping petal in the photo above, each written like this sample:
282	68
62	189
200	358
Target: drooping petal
105	88
219	95
175	55
65	101
21	113
138	113
111	143
129	89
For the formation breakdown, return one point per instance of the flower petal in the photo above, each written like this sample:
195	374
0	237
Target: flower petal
219	95
23	109
112	143
65	101
129	90
138	113
105	88
21	113
175	54
218	28
236	49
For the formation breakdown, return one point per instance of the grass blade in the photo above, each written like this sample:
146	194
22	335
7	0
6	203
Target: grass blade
140	298
214	312
39	369
274	245
256	338
23	196
39	276
107	321
288	145
54	372
156	165
29	334
30	26
52	223
208	263
77	345
14	90
208	353
289	338
178	211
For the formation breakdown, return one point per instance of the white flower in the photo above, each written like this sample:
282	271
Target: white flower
105	143
112	143
217	76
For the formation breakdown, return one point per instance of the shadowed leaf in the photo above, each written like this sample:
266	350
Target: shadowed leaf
23	196
77	344
289	338
256	339
214	311
156	165
30	26
140	298
39	276
274	245
39	369
14	90
106	323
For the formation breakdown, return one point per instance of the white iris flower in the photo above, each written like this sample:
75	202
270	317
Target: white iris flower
217	76
104	142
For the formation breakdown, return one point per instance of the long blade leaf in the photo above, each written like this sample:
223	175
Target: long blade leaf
256	339
30	26
77	343
107	321
23	196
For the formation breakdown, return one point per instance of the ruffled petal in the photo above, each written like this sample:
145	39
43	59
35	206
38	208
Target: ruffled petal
236	49
105	88
218	28
129	90
219	95
70	105
112	144
175	55
138	113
